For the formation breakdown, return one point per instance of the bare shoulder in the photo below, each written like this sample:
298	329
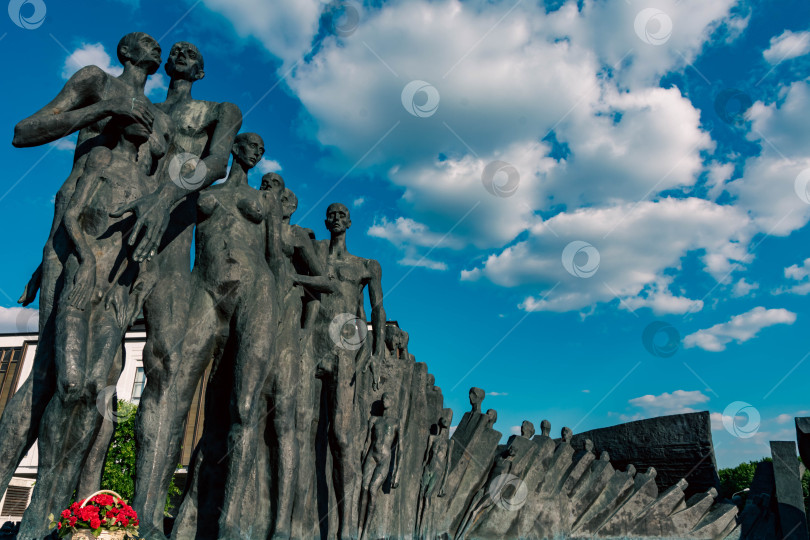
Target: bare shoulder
226	110
90	77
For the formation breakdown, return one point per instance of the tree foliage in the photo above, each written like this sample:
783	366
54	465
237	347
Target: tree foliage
738	478
119	467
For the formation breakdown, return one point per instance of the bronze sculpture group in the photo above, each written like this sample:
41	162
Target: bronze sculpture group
316	426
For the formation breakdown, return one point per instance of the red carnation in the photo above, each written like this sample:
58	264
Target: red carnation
65	513
59	525
95	523
72	521
124	522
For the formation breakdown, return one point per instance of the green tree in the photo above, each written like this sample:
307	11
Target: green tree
119	467
738	478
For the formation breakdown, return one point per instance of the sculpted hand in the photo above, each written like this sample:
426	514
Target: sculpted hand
83	284
116	300
375	376
442	493
152	215
135	108
30	292
143	286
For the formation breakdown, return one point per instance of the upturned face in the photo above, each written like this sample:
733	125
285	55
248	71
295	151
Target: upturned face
289	203
337	219
184	62
145	52
272	182
249	150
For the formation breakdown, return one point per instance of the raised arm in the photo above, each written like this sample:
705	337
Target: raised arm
78	105
397	455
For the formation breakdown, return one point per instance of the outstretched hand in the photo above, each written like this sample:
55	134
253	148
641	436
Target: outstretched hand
83	284
152	215
30	292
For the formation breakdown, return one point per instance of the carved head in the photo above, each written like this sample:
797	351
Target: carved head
566	434
492	417
387	400
588	445
446	418
272	182
631	470
338	219
289	203
185	62
545	428
139	49
248	149
476	397
527	429
604	456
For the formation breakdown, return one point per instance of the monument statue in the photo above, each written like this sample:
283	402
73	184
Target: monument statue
297	368
340	355
382	440
202	146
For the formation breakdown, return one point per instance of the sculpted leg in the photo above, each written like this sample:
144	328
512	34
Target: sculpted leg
255	331
166	398
21	418
71	419
283	414
345	454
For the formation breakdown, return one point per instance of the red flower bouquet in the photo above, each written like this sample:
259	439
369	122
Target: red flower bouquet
103	514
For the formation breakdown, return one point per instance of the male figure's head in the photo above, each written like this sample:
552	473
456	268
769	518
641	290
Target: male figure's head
185	62
248	149
338	219
272	182
289	203
545	428
527	429
387	401
566	434
141	50
492	417
476	398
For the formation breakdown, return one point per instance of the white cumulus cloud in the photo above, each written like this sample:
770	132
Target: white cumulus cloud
677	402
787	45
739	329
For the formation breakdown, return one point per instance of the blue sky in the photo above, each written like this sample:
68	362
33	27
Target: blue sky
540	183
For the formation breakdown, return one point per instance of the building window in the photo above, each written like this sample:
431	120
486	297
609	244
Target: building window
137	388
10	361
